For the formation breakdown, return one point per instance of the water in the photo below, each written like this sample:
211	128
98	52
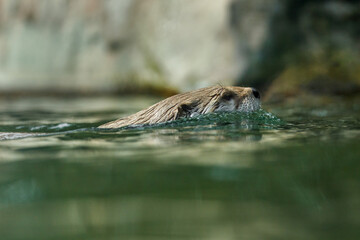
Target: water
289	174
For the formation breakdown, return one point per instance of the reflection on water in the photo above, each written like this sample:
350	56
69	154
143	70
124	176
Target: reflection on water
218	177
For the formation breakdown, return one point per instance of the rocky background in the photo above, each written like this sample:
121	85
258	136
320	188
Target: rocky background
285	48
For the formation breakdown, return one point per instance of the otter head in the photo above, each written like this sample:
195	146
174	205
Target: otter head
190	104
222	99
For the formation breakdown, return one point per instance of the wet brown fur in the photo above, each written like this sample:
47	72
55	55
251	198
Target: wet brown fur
200	101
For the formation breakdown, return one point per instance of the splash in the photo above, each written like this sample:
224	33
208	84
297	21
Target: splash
259	119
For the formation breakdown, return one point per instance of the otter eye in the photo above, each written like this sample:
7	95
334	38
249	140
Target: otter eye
186	107
227	96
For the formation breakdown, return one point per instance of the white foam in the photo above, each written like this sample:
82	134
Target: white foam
60	126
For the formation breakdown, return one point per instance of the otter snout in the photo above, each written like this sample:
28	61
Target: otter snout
244	99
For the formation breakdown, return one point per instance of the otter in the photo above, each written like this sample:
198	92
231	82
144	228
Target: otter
191	104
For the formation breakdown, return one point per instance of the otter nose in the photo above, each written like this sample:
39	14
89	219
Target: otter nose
256	93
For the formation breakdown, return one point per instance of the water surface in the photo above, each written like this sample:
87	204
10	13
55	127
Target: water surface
287	172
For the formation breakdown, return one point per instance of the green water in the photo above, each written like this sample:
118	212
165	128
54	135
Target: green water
293	173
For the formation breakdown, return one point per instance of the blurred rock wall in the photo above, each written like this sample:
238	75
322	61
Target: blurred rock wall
106	45
101	45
